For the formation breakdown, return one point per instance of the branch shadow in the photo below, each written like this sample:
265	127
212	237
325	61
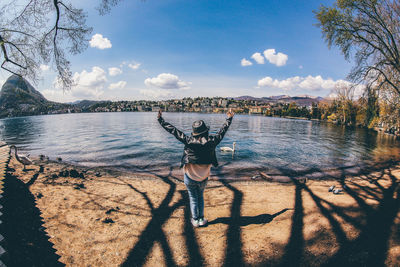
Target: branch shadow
294	249
373	221
153	231
233	250
26	241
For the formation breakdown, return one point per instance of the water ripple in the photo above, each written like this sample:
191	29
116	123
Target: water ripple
137	140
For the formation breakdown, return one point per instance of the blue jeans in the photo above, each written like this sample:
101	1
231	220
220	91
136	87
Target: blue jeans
196	199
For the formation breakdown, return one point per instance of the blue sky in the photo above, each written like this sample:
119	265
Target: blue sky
192	48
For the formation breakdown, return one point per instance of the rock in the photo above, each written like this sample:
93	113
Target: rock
79	186
331	188
108	220
39	195
74	173
265	176
42	157
110	210
81	175
54	176
59	159
97	174
41	168
64	173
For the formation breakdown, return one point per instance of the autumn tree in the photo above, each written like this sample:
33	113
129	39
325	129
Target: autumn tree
369	30
34	32
345	103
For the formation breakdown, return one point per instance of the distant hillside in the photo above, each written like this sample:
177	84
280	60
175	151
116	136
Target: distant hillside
85	104
302	100
19	98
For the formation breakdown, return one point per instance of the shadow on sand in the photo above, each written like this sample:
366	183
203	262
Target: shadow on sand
26	242
28	245
373	221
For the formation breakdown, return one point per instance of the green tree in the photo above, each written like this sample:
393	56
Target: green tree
369	30
315	111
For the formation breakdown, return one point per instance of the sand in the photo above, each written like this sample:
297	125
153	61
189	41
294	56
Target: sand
109	219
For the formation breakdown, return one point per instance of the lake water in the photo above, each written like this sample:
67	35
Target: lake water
136	142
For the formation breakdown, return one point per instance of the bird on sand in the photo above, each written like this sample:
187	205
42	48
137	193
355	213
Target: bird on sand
229	149
331	188
24	159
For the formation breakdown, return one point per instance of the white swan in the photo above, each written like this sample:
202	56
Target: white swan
21	158
229	149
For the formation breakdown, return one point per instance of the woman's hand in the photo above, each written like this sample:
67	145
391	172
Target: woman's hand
159	114
230	113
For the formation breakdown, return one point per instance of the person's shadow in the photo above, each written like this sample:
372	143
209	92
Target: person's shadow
247	220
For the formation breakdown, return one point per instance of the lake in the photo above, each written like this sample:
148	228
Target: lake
134	141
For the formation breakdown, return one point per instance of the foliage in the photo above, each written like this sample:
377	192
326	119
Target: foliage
369	29
332	117
39	32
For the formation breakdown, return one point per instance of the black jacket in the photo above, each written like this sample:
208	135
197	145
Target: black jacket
198	149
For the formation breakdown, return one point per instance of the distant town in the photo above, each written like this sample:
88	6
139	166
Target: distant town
19	98
270	106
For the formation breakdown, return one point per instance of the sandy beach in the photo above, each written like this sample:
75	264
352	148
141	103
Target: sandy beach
92	217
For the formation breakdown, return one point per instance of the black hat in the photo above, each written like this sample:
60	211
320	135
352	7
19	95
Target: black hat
199	127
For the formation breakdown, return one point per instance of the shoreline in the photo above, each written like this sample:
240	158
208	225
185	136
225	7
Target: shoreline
252	174
109	219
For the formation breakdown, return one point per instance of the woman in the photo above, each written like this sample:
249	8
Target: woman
198	157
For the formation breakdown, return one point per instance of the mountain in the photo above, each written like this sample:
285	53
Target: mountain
246	98
17	90
19	98
85	104
279	97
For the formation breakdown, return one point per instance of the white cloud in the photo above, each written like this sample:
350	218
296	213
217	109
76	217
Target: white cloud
58	95
167	81
317	83
156	94
44	67
245	62
100	42
114	71
118	85
134	66
278	59
258	58
88	85
307	83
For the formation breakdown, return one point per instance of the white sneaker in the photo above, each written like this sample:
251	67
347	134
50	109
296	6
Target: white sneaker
195	223
202	221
